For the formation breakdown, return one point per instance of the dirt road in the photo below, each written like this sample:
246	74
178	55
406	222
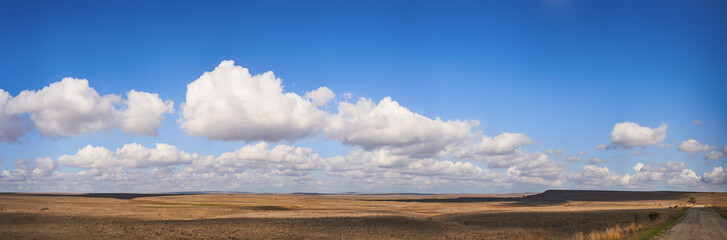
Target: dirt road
698	223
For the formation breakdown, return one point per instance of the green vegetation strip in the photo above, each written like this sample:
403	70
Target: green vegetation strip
653	232
716	209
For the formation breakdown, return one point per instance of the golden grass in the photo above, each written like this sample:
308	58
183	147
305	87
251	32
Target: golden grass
290	216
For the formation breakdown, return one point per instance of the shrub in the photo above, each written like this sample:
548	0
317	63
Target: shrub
653	215
692	199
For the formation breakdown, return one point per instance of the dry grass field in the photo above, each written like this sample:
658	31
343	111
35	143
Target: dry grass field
549	215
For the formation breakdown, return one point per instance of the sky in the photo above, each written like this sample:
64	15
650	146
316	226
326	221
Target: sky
369	96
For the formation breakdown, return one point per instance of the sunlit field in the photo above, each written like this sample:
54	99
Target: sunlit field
549	215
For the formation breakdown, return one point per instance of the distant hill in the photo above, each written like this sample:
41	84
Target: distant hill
596	195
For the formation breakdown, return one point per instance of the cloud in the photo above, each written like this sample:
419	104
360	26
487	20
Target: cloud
630	135
581	153
68	107
387	124
320	96
347	95
503	151
11	125
383	168
716	155
693	146
41	167
642	154
717	176
229	103
71	107
572	158
686	177
554	151
144	112
697	122
503	144
559	153
593	176
596	160
281	160
602	146
672	172
130	155
661	145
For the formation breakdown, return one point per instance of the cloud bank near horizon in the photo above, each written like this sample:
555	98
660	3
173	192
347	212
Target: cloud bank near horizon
391	145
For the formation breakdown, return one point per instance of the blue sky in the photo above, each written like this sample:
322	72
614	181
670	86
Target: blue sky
561	73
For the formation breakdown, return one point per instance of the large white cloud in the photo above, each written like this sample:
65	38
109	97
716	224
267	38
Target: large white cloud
71	107
718	175
229	103
68	107
387	124
130	155
630	135
11	125
693	146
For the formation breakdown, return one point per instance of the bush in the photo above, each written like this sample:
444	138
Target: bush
692	199
653	215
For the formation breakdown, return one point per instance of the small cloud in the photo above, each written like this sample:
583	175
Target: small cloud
320	96
642	154
621	156
347	96
716	155
597	160
629	135
602	146
581	153
697	122
554	151
573	158
692	146
666	145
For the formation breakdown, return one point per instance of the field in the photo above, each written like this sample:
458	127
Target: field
549	215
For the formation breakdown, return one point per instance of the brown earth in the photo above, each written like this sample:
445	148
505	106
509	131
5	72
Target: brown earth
698	223
550	215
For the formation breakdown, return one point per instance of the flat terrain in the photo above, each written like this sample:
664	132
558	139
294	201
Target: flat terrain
549	215
698	223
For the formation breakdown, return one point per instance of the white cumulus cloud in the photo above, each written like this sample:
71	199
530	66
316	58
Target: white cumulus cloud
144	112
11	125
716	155
68	107
72	107
593	176
502	144
630	135
718	175
229	103
387	124
320	96
693	146
130	155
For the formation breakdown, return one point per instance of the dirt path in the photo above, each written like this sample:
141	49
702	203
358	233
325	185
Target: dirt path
698	223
